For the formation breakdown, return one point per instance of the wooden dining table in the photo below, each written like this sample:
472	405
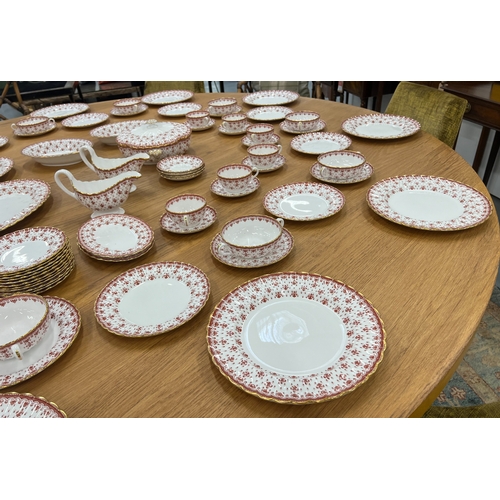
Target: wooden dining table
430	288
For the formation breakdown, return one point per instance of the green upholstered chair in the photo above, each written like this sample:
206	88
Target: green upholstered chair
488	410
439	113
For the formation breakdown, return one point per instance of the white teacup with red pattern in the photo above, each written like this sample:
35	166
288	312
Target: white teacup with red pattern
264	156
302	121
334	162
223	106
186	209
129	105
198	119
236	177
234	123
260	133
24	321
33	125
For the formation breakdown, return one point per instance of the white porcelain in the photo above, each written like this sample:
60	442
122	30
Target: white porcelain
280	161
179	109
234	123
302	121
59	111
380	126
56	153
186	209
167	97
3	140
304	201
334	161
281	248
85	120
285	127
127	106
152	299
300	337
271	97
264	156
260	133
209	124
107	134
217	188
169	223
269	113
19	198
133	110
14	405
316	143
342	176
64	325
33	125
104	196
6	165
273	139
198	119
430	203
236	177
223	106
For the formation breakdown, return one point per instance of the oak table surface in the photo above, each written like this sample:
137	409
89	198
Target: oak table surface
430	288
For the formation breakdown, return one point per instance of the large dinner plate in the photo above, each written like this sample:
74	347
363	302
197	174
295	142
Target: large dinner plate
271	97
19	198
316	143
57	153
14	405
380	126
167	97
304	201
296	338
61	110
427	202
152	299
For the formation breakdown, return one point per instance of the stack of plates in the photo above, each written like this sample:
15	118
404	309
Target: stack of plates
115	238
180	167
34	260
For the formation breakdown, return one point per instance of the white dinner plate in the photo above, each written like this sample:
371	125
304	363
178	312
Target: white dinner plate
14	405
179	109
269	113
85	120
167	97
152	299
304	201
61	110
316	143
380	126
427	202
296	338
56	153
19	198
6	165
64	326
271	97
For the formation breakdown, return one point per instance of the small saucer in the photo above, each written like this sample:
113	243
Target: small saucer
18	133
217	188
237	109
209	218
231	133
211	123
279	163
246	141
140	109
343	177
284	247
284	126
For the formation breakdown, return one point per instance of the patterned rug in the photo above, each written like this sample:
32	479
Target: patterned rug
477	379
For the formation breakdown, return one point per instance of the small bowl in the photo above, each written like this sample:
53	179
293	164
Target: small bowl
341	161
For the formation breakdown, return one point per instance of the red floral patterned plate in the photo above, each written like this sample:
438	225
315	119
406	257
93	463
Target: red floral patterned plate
14	405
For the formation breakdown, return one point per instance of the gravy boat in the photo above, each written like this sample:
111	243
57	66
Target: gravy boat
103	196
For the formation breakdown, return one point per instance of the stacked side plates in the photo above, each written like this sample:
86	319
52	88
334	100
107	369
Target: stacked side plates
180	167
34	260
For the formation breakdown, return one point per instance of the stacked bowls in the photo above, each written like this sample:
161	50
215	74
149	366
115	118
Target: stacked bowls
180	167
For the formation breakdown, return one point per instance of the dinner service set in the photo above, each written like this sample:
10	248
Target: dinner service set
34	260
85	120
235	179
33	125
234	124
128	107
199	120
179	109
115	238
14	405
6	165
60	111
56	153
180	167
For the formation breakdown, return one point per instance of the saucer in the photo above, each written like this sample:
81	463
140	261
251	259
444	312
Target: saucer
120	112
284	247
343	176
211	123
246	141
64	326
284	126
279	163
18	133
209	218
222	131
217	188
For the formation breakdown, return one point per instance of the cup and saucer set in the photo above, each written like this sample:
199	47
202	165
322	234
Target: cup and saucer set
252	241
235	180
199	120
33	125
341	167
128	107
187	214
260	133
301	122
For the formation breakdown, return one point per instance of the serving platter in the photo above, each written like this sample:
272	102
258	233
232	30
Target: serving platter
6	165
14	405
271	97
316	143
85	120
380	126
19	198
152	299
296	338
304	201
64	326
179	109
167	97
56	153
429	203
269	113
59	111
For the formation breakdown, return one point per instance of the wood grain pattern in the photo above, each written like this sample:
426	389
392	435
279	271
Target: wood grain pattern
430	288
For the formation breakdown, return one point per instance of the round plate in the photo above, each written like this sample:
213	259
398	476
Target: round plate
64	326
167	97
269	113
3	140
427	202
380	126
271	97
6	165
209	217
152	299
280	161
296	338
343	176
316	143
85	120
304	201
210	124
179	109
217	188
56	153
61	110
14	405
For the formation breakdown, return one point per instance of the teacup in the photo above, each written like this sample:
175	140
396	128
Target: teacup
223	106
251	236
236	177
260	133
335	161
126	106
302	121
234	123
198	119
25	320
264	156
33	125
186	209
